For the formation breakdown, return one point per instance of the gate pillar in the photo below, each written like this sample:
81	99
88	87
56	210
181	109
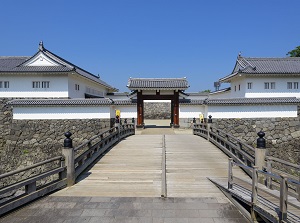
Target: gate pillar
140	110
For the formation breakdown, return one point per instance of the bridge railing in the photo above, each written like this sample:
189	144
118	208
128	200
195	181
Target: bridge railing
88	152
33	181
241	152
244	154
47	176
285	184
79	158
282	167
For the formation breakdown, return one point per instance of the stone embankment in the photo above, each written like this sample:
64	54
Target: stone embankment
157	110
24	142
282	134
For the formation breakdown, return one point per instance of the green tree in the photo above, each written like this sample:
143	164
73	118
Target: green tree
205	91
295	52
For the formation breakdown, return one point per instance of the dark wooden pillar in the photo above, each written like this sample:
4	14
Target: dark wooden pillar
140	110
172	113
176	109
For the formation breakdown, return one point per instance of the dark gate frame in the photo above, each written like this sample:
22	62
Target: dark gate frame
174	106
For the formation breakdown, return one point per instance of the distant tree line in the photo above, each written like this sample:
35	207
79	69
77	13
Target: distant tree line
295	52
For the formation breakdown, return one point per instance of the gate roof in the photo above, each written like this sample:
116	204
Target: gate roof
157	83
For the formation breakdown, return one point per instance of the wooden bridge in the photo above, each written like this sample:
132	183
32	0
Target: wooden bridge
161	175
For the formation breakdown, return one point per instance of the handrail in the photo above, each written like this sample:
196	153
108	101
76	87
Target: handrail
233	147
61	158
98	144
56	177
93	138
31	190
239	151
231	136
283	162
284	181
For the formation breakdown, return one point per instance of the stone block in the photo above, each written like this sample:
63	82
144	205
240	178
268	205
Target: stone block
295	134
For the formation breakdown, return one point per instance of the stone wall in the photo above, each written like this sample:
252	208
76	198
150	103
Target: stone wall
157	110
282	134
24	142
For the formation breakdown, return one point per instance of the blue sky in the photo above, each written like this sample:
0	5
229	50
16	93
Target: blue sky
196	39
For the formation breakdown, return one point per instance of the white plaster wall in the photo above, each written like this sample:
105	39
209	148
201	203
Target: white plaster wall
258	90
83	83
235	92
148	92
127	111
86	112
189	111
254	111
167	92
41	60
279	91
20	86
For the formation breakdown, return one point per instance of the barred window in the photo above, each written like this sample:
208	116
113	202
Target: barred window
296	85
36	84
272	85
45	84
289	85
249	85
267	85
4	84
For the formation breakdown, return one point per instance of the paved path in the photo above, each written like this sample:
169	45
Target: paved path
125	185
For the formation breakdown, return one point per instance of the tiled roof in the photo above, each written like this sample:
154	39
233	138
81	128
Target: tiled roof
197	93
16	64
107	101
41	69
125	102
221	91
254	101
254	66
8	63
55	102
70	102
157	83
191	102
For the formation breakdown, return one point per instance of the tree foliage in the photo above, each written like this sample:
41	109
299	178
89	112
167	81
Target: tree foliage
295	52
205	91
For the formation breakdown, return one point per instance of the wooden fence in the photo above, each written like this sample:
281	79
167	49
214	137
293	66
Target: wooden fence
58	172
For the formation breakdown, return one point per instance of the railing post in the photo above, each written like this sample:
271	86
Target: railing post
30	188
63	174
283	198
209	123
254	192
68	153
118	129
230	173
260	151
269	170
298	190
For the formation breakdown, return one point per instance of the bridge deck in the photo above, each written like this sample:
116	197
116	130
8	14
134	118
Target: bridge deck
125	185
133	169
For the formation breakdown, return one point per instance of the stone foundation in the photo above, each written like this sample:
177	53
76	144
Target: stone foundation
24	142
282	134
157	110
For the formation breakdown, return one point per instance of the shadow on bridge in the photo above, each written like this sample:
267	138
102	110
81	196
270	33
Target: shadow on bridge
157	127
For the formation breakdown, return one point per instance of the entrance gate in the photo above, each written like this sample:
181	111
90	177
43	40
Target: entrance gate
157	89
